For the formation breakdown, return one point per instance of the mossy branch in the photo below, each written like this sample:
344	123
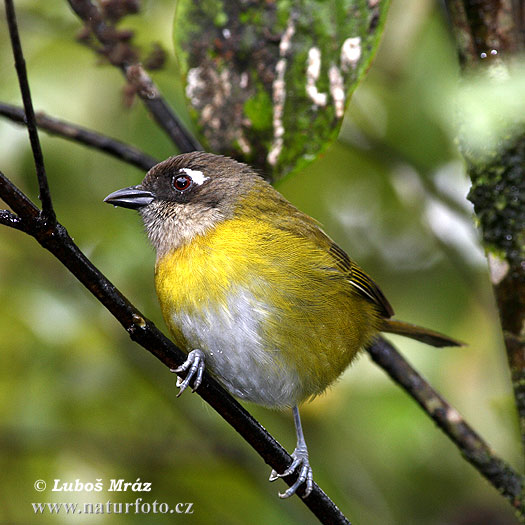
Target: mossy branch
489	38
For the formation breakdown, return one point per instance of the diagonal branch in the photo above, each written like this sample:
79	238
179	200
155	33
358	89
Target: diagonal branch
20	64
501	475
57	241
75	133
118	52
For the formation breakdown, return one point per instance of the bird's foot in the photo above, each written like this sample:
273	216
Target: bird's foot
301	466
194	365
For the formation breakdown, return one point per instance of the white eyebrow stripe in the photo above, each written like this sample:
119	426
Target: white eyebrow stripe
197	176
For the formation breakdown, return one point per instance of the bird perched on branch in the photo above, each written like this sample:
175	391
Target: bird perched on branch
254	290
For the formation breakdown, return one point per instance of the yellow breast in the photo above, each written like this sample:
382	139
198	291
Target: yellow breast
276	321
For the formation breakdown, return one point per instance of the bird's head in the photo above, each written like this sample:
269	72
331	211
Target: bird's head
187	195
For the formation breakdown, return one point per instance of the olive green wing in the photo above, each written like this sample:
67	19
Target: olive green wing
290	219
360	280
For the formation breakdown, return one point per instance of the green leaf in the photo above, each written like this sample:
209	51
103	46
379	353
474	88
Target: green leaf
268	82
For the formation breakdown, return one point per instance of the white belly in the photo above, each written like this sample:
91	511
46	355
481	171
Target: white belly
230	338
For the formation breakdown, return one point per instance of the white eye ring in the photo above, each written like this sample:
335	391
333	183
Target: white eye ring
197	176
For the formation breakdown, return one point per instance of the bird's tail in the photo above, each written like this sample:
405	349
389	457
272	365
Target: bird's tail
430	337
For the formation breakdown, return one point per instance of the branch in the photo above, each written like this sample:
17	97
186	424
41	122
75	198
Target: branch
75	133
20	64
489	36
57	241
119	53
499	474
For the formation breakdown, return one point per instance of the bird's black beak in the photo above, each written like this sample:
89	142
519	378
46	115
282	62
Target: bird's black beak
133	197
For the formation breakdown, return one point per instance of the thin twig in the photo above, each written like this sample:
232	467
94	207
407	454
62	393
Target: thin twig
119	54
20	65
75	133
59	243
471	445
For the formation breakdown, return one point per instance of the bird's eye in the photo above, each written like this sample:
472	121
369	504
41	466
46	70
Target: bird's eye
182	182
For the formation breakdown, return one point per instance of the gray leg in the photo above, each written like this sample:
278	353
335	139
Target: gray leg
195	366
300	463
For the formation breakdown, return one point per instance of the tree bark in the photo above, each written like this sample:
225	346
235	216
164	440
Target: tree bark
489	35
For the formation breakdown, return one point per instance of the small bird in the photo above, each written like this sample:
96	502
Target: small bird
254	290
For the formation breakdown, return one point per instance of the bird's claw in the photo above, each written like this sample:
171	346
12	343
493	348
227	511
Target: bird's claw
194	365
301	466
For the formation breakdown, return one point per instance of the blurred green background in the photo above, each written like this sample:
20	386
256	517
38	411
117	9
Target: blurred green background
79	400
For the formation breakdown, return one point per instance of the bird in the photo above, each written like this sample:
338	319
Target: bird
254	290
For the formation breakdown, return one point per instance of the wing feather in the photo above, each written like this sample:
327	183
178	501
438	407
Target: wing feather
360	280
